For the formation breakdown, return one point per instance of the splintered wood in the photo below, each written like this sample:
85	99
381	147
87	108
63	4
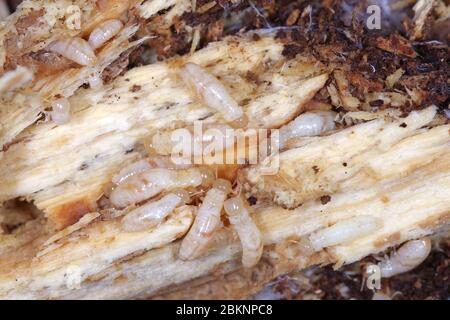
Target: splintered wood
410	202
68	171
347	185
52	47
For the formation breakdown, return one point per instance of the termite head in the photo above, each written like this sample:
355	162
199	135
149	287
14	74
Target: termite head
208	176
234	206
222	185
183	195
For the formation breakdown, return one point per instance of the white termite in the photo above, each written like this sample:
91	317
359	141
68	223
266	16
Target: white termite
308	124
248	232
153	213
75	49
145	164
344	231
148	183
213	93
104	32
60	113
206	222
407	257
131	169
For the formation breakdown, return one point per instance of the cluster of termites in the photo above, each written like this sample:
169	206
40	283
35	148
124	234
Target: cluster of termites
82	52
169	185
162	185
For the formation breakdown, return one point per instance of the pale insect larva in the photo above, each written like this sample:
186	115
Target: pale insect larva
151	214
213	93
345	231
407	257
206	221
104	32
75	49
60	113
144	164
130	170
148	183
308	124
248	232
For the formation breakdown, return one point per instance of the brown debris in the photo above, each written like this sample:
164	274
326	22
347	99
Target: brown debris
293	17
25	22
428	281
135	88
119	66
336	37
396	45
359	61
215	30
325	199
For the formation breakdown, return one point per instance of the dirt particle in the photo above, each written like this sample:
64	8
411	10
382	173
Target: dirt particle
135	88
325	199
291	50
252	200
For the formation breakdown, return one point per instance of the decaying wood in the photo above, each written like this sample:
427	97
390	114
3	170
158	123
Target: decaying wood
357	155
175	8
79	250
45	22
68	171
35	25
392	168
410	201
